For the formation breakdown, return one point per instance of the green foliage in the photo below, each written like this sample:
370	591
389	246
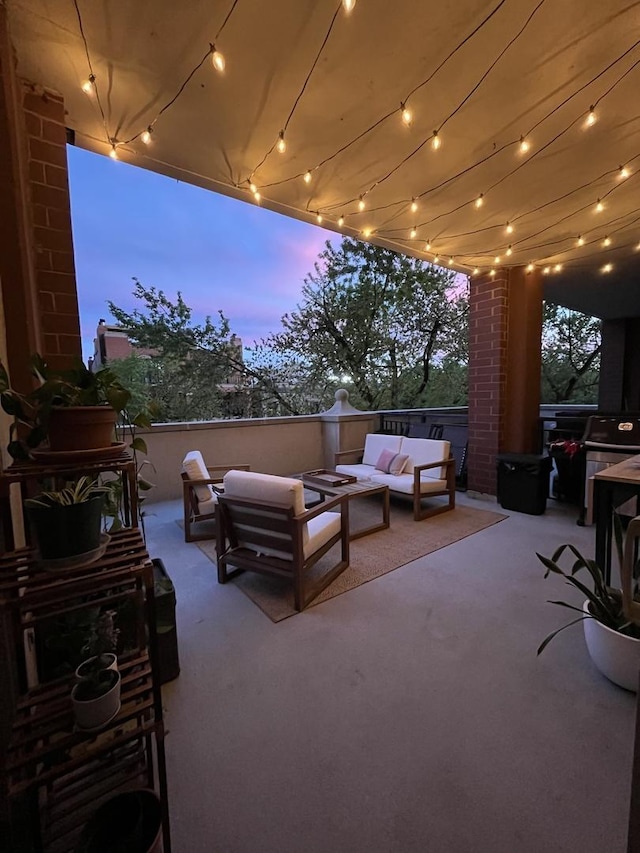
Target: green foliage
605	603
75	492
571	346
75	387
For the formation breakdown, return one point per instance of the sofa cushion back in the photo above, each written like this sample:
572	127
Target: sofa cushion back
195	469
374	445
422	451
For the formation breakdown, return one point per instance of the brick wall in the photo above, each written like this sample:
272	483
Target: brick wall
488	326
55	280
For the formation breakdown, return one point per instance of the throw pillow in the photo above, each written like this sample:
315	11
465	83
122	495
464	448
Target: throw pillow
391	463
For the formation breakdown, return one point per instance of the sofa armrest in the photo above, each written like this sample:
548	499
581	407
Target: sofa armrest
341	454
443	463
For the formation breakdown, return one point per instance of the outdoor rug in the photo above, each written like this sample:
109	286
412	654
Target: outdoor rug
371	556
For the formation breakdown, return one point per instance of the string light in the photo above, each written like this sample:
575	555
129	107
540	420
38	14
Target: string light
307	177
367	232
557	268
435	259
406	113
253	188
496	260
607	268
580	240
508	252
414	205
257	196
591	118
340	221
623	173
361	204
530	267
599	206
427	246
145	136
524	145
413	234
435	141
348	5
606	241
492	273
480	200
281	145
509	228
217	59
546	271
638	248
475	271
450	262
114	152
88	87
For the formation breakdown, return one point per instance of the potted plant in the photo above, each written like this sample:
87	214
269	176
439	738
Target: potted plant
67	523
96	694
610	617
73	409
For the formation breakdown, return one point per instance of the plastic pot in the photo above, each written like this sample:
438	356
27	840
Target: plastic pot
67	531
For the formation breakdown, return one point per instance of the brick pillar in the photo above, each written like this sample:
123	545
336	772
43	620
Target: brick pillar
37	273
505	322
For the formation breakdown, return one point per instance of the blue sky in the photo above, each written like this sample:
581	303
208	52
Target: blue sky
222	254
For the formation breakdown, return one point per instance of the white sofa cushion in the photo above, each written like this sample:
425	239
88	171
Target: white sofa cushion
195	469
422	451
360	471
404	483
375	443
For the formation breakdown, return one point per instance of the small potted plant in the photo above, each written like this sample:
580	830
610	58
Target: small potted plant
72	410
610	617
96	694
67	523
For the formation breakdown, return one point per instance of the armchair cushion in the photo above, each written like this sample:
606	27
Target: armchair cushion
195	469
283	491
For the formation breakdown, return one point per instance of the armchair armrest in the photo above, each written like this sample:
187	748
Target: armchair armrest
338	500
359	452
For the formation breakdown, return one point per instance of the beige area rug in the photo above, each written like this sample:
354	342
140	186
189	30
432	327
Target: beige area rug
371	556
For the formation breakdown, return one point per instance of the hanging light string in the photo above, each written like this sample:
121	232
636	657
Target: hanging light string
112	141
394	111
295	103
509	144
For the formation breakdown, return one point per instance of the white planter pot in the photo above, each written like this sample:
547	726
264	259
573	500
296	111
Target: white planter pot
93	714
615	655
112	664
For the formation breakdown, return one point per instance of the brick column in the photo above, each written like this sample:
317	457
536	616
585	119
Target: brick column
37	273
505	322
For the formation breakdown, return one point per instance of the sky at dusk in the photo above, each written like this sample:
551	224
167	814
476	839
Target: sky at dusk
222	254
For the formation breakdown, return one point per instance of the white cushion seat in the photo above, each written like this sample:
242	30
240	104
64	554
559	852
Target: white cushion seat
359	471
405	483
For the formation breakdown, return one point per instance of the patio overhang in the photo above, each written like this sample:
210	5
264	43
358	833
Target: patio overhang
486	79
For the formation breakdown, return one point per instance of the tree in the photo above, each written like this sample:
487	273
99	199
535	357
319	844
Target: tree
374	320
571	346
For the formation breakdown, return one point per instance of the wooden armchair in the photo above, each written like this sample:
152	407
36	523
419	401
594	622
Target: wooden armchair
200	485
263	526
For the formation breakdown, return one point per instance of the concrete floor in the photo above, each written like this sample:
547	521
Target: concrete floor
410	714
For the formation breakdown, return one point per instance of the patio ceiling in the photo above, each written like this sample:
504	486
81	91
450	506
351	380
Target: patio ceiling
485	76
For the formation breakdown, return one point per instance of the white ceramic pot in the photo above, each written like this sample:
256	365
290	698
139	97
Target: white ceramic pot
616	655
110	662
93	714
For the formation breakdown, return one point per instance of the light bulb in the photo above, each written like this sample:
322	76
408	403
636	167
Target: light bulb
257	196
113	153
319	218
366	232
281	145
406	114
435	259
599	206
427	246
638	248
623	173
414	205
348	5
606	241
217	59
361	204
480	200
145	136
545	271
607	268
591	118
580	240
509	228
524	145
341	221
88	87
413	233
435	141
557	268
508	252
475	271
253	188
496	260
529	267
492	273
307	177
450	261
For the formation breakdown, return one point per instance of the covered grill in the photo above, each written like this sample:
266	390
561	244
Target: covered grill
608	439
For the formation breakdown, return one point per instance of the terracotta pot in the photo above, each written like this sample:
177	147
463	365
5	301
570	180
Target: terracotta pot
81	427
615	655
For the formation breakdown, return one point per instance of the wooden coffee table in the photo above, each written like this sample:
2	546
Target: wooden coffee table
359	489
